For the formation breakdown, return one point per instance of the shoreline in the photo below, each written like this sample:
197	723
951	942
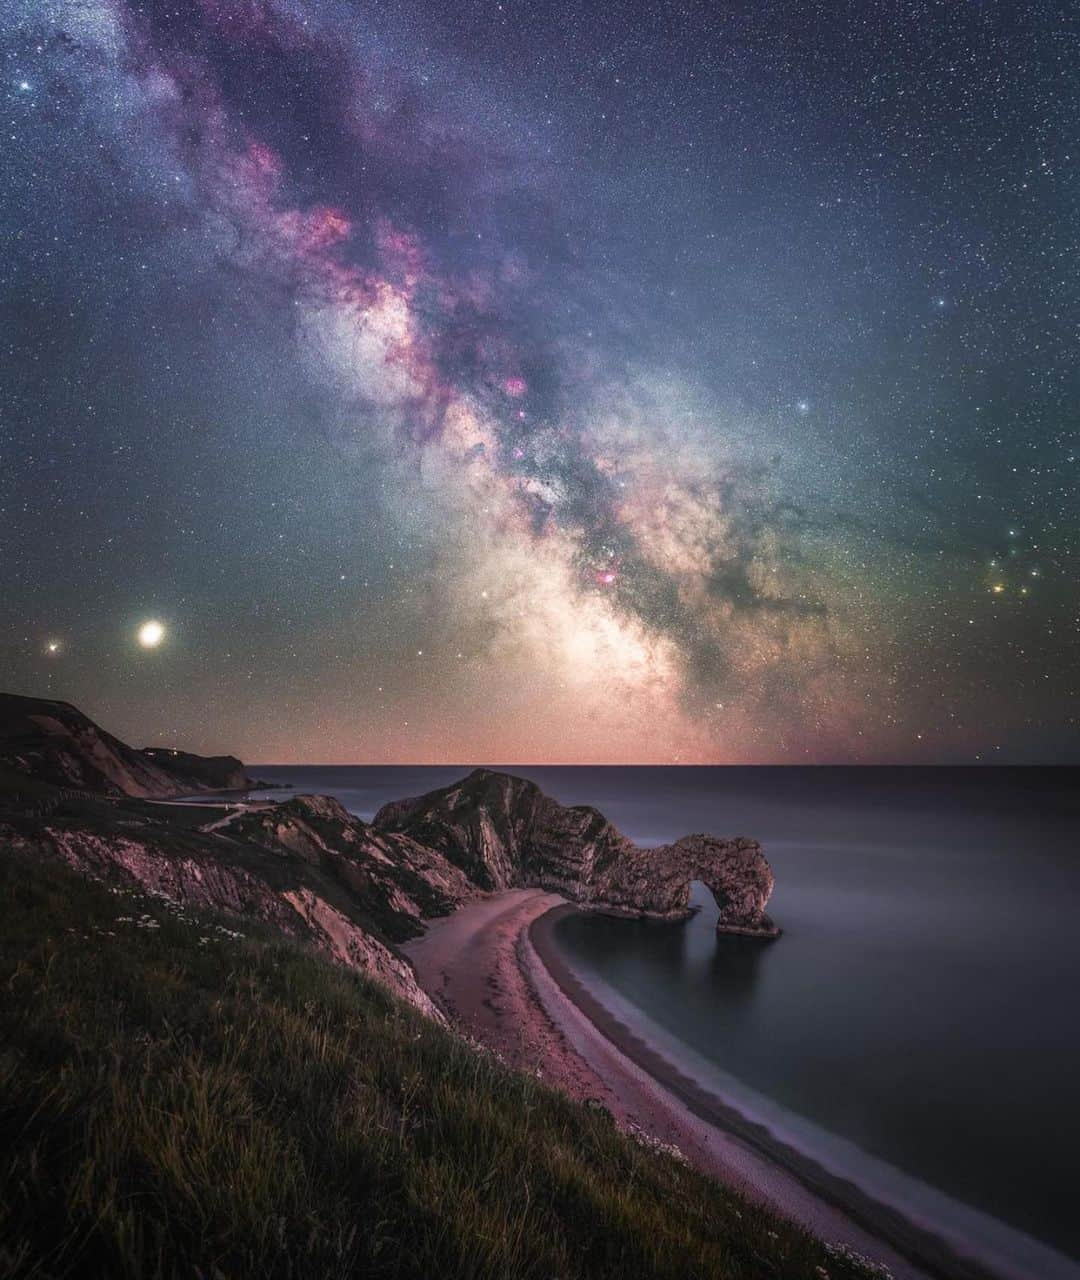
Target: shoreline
884	1231
482	966
495	969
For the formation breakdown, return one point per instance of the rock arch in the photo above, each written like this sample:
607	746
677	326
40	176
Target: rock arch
503	831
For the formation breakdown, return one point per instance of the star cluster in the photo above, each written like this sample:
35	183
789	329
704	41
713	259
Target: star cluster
538	383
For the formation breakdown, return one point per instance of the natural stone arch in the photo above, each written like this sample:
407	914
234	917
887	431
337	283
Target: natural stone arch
503	831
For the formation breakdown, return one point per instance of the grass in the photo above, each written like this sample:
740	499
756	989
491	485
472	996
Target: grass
176	1101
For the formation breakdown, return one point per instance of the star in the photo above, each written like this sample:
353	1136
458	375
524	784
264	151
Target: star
151	634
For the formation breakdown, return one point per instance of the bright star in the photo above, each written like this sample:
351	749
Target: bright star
151	634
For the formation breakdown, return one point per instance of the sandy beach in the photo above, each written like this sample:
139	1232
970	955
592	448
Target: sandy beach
493	967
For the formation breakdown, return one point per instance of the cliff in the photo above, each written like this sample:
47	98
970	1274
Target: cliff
54	743
396	881
313	871
200	773
216	872
502	831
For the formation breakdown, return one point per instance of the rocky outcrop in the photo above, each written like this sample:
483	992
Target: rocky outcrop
202	872
503	832
396	881
54	743
656	882
357	949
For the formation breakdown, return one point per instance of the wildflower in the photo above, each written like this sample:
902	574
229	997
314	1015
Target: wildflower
862	1266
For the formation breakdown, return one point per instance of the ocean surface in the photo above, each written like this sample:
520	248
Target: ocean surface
916	1027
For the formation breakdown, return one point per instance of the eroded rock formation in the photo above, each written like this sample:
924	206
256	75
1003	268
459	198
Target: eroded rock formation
208	871
502	831
396	881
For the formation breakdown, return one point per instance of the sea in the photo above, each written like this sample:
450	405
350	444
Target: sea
916	1028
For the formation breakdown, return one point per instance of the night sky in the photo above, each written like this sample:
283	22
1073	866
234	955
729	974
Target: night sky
528	382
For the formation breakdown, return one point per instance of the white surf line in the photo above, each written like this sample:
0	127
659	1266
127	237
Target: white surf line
1002	1249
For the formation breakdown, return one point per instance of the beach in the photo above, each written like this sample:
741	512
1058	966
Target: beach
494	968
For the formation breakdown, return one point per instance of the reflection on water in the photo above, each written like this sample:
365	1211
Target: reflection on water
664	954
734	968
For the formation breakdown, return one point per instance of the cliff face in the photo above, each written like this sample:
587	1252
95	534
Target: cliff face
198	877
54	743
284	875
395	880
503	831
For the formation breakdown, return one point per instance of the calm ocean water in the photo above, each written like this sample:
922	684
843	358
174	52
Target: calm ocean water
919	1013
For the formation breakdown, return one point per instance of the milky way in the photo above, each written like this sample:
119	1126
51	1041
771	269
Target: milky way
542	384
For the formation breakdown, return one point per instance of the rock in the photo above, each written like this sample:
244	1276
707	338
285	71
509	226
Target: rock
395	880
356	948
198	872
503	832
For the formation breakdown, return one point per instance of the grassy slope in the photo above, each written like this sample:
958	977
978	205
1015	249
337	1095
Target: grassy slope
241	1108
